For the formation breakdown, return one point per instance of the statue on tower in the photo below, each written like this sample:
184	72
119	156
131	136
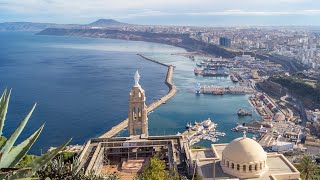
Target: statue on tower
138	112
244	134
136	79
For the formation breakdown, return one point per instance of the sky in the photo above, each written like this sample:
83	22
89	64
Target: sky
169	12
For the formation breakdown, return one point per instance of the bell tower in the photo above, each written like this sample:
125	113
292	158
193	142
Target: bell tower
138	119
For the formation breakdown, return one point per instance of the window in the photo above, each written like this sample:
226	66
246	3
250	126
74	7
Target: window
238	167
139	112
232	166
250	167
244	168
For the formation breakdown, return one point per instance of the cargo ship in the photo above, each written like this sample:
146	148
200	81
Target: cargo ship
220	90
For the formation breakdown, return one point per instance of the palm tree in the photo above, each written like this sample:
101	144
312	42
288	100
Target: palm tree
307	167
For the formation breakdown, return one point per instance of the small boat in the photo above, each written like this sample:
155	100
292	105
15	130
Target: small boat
243	112
199	65
240	128
234	78
188	125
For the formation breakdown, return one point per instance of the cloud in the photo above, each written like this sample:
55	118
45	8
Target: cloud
238	12
87	10
146	12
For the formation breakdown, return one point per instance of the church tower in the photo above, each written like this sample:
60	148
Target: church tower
138	119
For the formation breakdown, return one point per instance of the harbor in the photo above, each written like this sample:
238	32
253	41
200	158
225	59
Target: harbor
208	131
204	130
221	90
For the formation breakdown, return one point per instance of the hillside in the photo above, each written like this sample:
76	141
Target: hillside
33	26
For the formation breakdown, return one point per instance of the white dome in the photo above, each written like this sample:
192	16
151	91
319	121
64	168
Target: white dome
244	150
244	158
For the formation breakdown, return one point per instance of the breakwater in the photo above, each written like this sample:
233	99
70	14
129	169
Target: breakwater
152	60
172	91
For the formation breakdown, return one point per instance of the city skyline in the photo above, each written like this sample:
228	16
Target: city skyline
189	12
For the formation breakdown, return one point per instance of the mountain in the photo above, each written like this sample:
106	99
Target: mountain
106	22
32	26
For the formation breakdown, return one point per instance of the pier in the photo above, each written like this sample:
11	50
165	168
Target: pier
172	91
152	60
220	90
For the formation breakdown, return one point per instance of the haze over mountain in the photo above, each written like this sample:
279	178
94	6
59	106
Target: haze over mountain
34	26
106	22
177	12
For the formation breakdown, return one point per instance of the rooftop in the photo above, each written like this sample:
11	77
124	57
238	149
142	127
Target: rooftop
278	165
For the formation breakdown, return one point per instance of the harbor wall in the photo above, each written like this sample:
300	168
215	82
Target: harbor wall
152	60
172	91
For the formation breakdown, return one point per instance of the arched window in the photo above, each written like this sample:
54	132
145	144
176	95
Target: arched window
134	114
232	166
238	167
260	165
244	168
139	112
228	163
250	167
256	167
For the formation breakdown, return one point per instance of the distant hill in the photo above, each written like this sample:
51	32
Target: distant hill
105	22
32	26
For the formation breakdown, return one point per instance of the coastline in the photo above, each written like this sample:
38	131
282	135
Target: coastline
172	91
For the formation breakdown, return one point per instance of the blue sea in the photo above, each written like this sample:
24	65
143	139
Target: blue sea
81	86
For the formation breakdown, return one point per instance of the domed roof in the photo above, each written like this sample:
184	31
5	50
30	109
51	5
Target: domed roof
279	117
244	150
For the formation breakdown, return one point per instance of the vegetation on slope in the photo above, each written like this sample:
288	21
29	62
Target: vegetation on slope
300	87
69	169
13	158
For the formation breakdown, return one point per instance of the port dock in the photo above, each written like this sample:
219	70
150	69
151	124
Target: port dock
172	91
220	90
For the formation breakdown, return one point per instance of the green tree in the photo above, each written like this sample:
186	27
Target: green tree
197	147
26	160
68	156
307	167
155	170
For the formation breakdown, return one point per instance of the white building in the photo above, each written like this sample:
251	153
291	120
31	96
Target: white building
280	146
